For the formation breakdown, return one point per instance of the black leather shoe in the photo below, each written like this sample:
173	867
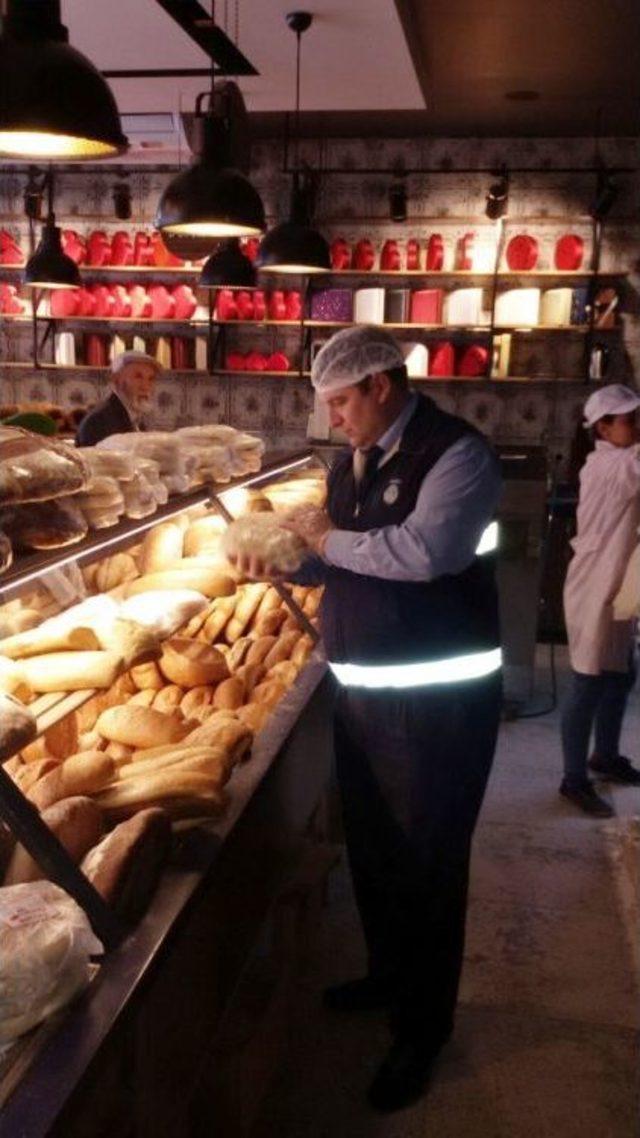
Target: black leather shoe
361	995
586	798
615	770
403	1075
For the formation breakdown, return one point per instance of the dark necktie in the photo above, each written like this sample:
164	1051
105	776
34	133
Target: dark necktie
371	460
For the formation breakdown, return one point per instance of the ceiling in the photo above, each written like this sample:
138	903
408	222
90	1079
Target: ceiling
437	67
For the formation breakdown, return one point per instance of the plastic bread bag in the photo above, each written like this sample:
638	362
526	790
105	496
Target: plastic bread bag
44	525
107	463
164	447
151	471
260	535
139	498
46	943
34	468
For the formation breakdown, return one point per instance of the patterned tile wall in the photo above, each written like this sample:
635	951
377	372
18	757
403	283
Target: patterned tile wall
354	205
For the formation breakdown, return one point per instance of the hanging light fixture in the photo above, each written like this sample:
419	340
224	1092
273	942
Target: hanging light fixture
54	103
295	246
212	197
49	266
497	200
228	267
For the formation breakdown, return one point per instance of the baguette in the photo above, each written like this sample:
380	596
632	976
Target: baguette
90	741
254	715
12	680
222	611
270	623
286	672
250	675
31	772
76	822
203	534
212	760
237	653
114	571
196	702
144	698
119	752
148	676
135	643
246	605
209	582
301	650
168	699
162	786
161	546
81	774
72	671
125	867
229	694
37	641
61	740
260	649
283	648
140	726
312	601
220	730
190	663
270	602
269	692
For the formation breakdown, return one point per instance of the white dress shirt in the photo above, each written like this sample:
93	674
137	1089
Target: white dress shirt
455	503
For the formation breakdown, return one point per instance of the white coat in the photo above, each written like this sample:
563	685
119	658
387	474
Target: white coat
608	521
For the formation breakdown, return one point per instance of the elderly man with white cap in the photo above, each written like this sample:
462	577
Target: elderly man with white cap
133	377
601	648
410	628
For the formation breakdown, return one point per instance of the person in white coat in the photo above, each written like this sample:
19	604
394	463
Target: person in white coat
601	648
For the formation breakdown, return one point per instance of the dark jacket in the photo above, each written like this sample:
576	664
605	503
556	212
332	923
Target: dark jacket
110	417
371	620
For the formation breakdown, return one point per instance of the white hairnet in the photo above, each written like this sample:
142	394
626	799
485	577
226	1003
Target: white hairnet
615	399
351	354
131	357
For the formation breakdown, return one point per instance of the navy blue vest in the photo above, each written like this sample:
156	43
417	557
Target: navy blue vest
368	620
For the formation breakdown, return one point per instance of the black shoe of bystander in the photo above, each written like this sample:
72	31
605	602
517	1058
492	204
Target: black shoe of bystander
619	770
586	798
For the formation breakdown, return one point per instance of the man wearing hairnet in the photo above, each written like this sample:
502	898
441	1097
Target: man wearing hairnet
133	378
409	623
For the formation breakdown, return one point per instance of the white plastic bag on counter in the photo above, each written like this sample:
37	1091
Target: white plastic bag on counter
45	945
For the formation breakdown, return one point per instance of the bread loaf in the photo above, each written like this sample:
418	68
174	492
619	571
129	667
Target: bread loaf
58	638
254	715
229	694
209	759
72	671
161	546
269	692
286	672
190	663
140	726
28	774
301	650
76	822
222	611
134	643
206	581
237	654
144	698
271	623
168	699
12	681
250	675
147	676
283	648
82	774
17	726
125	867
114	571
180	792
119	752
260	649
312	601
248	600
196	702
61	739
203	534
221	730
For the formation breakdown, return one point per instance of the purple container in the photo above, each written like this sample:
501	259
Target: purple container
332	304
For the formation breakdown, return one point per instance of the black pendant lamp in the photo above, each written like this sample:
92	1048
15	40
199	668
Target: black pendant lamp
49	266
54	104
228	268
212	198
295	246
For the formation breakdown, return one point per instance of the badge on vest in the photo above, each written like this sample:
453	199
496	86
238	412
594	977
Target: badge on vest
392	492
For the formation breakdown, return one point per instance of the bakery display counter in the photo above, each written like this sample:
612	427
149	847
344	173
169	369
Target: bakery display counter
172	695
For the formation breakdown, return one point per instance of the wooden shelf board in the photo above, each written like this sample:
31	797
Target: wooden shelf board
294	373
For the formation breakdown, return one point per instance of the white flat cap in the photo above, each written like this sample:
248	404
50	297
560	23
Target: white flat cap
133	358
615	399
351	354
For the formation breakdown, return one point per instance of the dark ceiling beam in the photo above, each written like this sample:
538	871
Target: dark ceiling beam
411	29
200	27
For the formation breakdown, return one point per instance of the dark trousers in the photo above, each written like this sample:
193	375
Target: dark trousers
412	769
593	701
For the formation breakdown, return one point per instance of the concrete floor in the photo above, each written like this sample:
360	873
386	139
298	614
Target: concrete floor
546	1042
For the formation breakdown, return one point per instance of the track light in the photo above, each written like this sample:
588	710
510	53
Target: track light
54	103
497	201
212	198
49	266
122	201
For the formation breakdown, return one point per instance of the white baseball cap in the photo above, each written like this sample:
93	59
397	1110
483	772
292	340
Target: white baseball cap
132	357
351	354
615	399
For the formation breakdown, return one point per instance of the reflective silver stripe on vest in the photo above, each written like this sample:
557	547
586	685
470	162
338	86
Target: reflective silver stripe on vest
450	671
489	541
